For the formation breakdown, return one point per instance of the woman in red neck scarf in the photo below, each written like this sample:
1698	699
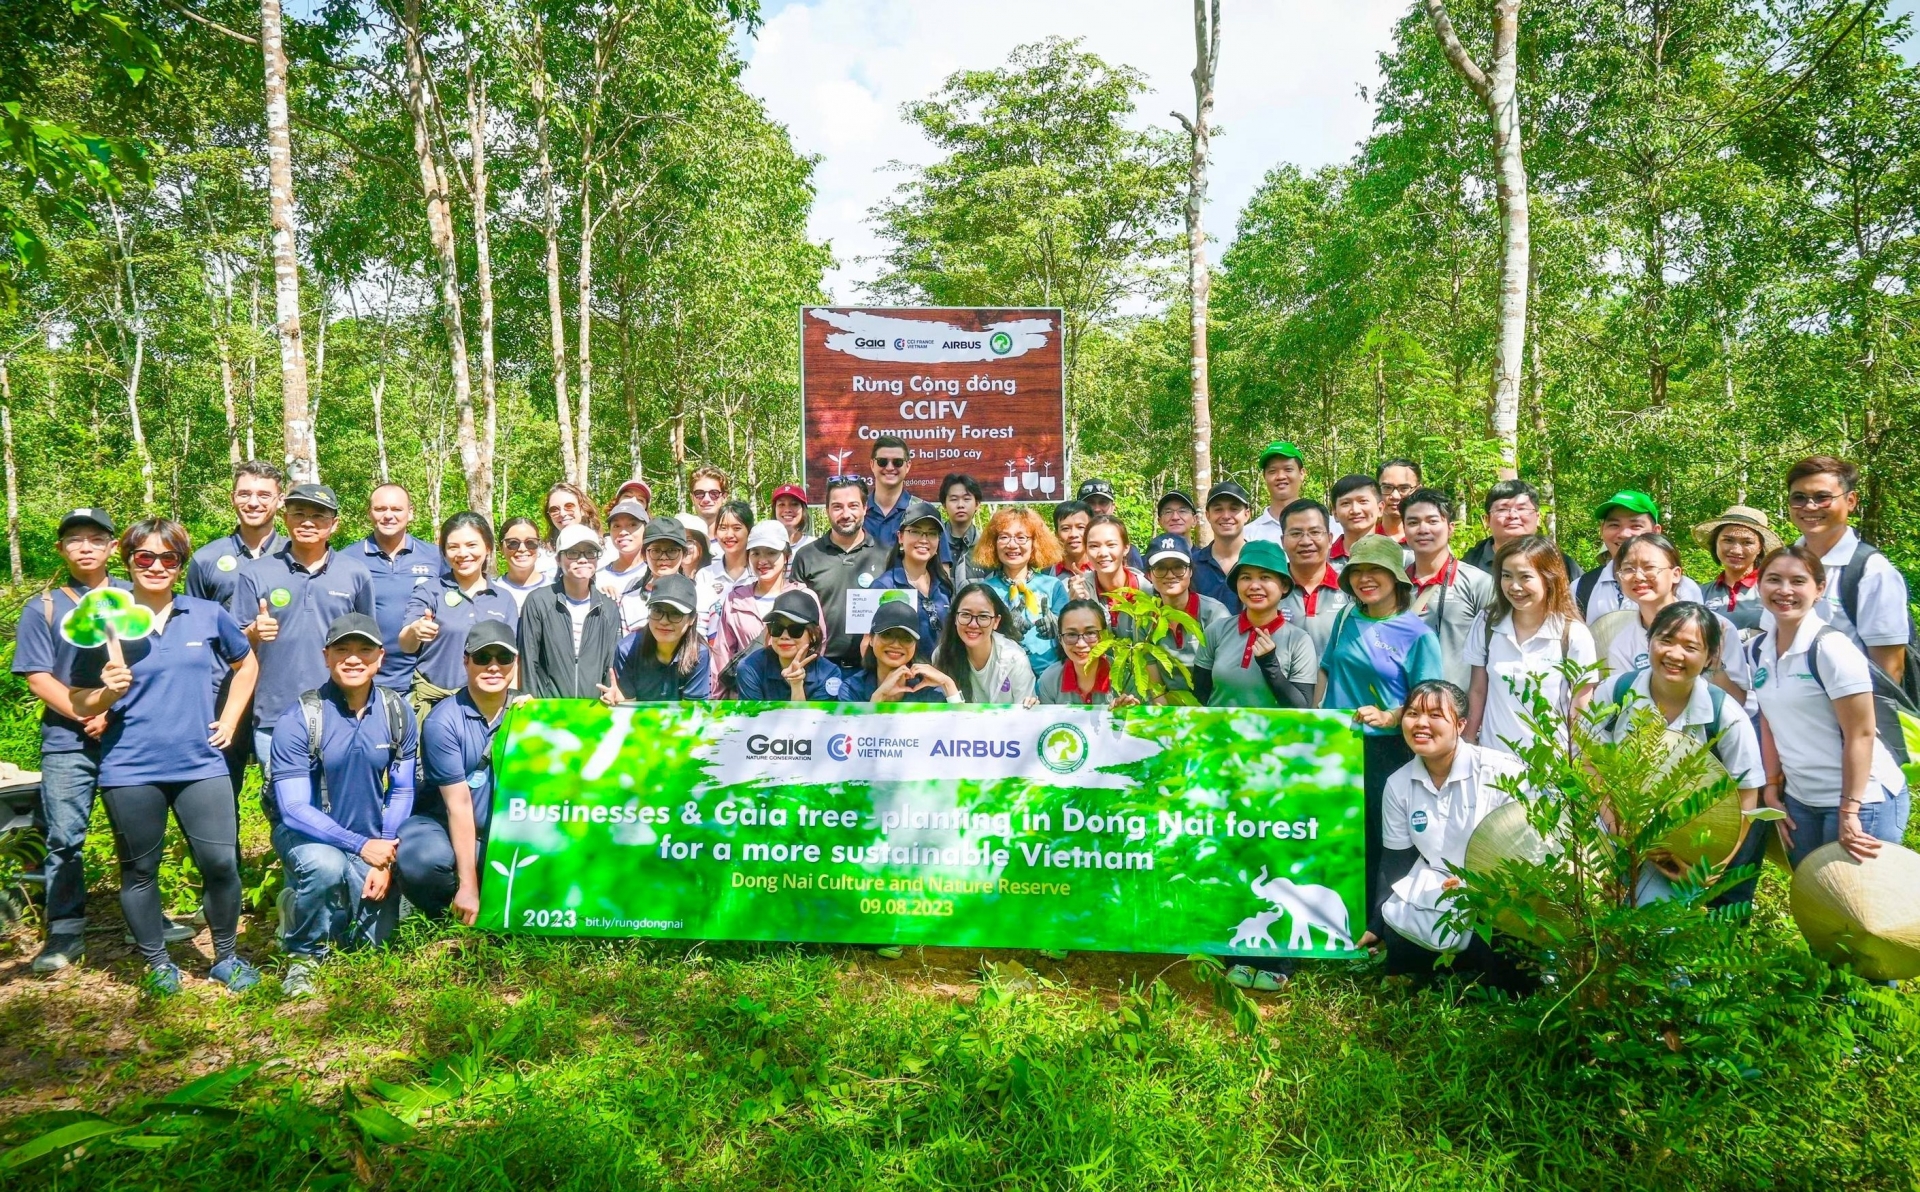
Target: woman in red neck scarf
1081	678
1739	539
1255	658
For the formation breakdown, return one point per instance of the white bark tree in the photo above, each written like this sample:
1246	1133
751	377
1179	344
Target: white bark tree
302	451
1206	65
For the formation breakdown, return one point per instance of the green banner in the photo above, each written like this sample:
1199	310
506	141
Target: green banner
1231	831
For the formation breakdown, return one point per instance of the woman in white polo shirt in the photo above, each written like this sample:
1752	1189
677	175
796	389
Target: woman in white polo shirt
1532	628
1825	765
1648	568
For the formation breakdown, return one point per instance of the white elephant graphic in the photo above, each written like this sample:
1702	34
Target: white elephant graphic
1307	907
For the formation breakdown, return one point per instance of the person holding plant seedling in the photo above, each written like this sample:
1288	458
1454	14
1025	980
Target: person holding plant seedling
440	614
893	672
343	778
1648	568
69	741
1825	764
1083	678
986	661
1378	650
914	565
1256	658
1428	812
162	749
663	661
1170	571
1532	629
789	667
442	842
1015	556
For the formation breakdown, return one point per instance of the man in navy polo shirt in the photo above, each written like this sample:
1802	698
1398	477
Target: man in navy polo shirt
286	599
336	816
441	846
69	745
214	571
398	563
1227	509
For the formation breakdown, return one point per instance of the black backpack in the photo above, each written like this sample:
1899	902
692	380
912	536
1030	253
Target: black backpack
1908	688
1889	701
390	702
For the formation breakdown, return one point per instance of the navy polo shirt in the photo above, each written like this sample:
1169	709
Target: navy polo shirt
413	564
442	660
38	648
645	679
157	731
759	678
215	568
1209	579
933	607
456	745
369	779
305	603
884	528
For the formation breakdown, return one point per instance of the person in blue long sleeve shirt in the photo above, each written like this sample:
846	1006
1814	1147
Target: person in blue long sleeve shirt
336	816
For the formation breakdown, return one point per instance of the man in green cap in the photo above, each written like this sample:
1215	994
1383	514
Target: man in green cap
1626	514
1282	467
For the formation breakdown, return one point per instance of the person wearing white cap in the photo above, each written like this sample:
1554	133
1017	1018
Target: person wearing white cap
741	620
568	631
664	661
699	543
728	566
622	557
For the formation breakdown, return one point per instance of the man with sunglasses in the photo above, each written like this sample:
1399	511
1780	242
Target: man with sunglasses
709	488
892	461
1866	597
846	557
442	843
285	600
568	631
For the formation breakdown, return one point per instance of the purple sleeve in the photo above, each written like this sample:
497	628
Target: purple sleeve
400	775
293	785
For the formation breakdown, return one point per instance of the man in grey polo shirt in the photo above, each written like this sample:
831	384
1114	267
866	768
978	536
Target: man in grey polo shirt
1447	593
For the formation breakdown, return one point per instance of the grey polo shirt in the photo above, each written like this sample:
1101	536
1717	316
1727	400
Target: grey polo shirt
1449	609
1237	686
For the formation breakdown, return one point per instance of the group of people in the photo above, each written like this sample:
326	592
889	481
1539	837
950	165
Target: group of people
368	679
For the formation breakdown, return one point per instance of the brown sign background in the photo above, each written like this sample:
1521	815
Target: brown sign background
995	437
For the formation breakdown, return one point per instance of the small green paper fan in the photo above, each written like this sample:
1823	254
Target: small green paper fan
103	615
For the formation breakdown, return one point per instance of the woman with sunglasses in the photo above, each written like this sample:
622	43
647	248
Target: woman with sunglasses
892	672
985	660
529	566
745	607
441	612
663	661
1080	678
161	751
1013	556
789	667
914	565
568	504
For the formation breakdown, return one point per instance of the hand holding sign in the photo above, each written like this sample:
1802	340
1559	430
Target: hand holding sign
104	617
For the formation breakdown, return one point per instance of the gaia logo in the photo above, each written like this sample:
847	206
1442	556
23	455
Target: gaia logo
1063	748
840	747
227	563
1001	343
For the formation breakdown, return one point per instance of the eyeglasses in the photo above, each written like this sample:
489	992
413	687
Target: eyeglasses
145	559
1396	490
1812	500
889	465
1641	569
584	555
1014	539
492	658
1070	636
786	629
708	493
666	614
980	619
519	544
921	530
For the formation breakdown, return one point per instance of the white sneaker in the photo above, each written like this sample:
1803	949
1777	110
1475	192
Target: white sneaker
297	983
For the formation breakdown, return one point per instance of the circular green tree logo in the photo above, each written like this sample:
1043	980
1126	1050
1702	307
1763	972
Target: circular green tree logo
280	598
1063	748
1001	343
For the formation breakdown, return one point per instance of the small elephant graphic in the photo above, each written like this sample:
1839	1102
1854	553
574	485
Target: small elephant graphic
1307	907
1252	932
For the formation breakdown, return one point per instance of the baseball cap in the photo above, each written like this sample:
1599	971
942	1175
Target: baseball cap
1631	500
577	534
1278	448
789	490
1229	488
1168	546
693	523
315	494
87	516
767	535
1174	494
632	509
674	591
358	625
665	529
920	511
635	485
896	614
1096	488
796	606
490	633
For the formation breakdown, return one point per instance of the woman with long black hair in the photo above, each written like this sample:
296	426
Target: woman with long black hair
981	653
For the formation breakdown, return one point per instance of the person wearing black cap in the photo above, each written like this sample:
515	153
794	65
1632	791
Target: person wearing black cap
442	842
664	661
1097	496
569	630
844	558
1176	514
69	743
915	566
398	563
664	546
343	774
788	667
892	671
1170	571
286	599
1227	509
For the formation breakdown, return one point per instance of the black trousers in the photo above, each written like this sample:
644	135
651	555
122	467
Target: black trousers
1478	960
1384	753
205	812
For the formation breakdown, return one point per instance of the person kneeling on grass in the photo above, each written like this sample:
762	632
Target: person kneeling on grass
1429	810
442	842
342	766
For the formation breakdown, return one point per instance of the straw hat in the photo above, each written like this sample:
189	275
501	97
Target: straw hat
1862	913
1747	518
1715	834
1506	835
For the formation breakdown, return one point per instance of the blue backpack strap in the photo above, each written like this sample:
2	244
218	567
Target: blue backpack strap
310	710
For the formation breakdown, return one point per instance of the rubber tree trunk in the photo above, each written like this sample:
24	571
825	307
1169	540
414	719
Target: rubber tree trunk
1206	45
550	227
483	271
13	483
302	451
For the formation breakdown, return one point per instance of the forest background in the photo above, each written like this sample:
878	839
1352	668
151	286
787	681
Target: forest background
535	239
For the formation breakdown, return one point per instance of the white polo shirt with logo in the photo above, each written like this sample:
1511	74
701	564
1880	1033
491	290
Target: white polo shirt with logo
1509	663
1734	741
1805	731
1608	598
1438	822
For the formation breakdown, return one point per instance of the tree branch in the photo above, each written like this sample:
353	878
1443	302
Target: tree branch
1457	53
214	25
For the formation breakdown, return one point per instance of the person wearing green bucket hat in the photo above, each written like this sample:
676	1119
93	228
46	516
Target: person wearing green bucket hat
1628	513
1378	650
1256	658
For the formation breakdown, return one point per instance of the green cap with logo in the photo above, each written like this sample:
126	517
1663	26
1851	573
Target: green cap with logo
1278	448
1631	500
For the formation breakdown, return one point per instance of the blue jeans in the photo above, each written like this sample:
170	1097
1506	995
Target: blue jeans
327	907
1815	826
67	785
263	749
426	857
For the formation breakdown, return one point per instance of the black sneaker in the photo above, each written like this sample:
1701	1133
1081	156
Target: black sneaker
61	951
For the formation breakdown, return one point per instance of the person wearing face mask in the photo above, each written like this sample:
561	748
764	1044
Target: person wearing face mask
1738	539
892	670
1256	658
843	559
1014	558
1531	630
520	551
789	667
1648	567
664	661
568	631
985	660
1512	509
746	606
441	614
914	566
1448	594
1626	514
1227	509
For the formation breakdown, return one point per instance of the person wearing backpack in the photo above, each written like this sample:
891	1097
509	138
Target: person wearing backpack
1827	761
1868	601
343	778
1626	514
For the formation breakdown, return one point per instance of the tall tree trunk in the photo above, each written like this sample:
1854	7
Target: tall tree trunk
135	321
13	486
1548	493
221	328
483	272
302	449
317	391
550	228
1499	94
433	183
1206	65
583	424
253	356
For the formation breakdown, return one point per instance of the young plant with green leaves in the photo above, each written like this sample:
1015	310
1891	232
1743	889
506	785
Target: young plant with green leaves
1139	662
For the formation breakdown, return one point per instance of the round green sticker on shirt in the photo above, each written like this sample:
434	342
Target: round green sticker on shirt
453	598
280	598
227	563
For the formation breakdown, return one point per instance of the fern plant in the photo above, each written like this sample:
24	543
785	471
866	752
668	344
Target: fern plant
1139	662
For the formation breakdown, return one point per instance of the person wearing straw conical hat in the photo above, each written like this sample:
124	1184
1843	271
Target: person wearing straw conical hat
1739	539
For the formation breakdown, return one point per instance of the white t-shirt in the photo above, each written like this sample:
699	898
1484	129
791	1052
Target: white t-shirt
1510	662
1737	747
711	585
1265	528
614	580
577	610
1806	733
519	592
1438	823
1608	598
1628	651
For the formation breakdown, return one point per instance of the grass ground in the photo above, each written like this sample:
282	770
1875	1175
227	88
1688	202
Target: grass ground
469	1061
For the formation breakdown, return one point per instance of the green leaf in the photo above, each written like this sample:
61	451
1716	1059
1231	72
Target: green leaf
380	1126
212	1086
63	1139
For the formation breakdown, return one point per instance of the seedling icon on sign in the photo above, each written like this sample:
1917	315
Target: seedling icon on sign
519	863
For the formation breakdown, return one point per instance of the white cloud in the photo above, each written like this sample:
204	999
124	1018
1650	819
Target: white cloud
836	72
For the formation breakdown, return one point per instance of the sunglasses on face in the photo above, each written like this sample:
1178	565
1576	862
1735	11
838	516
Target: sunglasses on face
889	465
492	658
708	493
1812	500
786	629
142	560
588	555
519	544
